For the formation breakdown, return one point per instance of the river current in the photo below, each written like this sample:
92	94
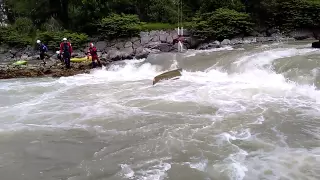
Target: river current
237	113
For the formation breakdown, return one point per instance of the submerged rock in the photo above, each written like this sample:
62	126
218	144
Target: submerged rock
316	44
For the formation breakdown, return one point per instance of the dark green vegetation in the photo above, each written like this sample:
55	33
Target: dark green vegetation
51	20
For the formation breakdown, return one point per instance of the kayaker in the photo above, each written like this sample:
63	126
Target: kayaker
93	52
42	49
179	38
66	51
59	56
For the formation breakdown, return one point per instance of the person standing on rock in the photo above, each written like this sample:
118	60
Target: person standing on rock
93	52
65	51
43	49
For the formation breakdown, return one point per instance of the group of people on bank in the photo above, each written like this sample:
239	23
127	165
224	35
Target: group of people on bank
65	52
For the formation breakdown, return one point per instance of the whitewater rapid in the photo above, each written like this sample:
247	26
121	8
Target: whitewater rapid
238	113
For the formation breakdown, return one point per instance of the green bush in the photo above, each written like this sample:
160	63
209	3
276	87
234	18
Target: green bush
24	26
53	39
221	24
120	26
10	36
298	14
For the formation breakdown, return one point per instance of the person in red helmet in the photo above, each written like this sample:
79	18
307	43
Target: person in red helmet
65	51
93	52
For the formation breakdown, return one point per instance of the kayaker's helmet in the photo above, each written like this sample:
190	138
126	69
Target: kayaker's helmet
38	41
64	39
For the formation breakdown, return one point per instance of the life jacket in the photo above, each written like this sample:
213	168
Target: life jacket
43	48
66	48
93	51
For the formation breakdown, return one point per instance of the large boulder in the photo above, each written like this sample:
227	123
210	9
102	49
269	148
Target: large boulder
316	44
210	45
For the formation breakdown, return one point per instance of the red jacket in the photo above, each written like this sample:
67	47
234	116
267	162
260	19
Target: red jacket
61	47
93	52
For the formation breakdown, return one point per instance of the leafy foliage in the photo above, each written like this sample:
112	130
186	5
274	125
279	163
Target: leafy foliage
52	19
118	26
222	23
53	39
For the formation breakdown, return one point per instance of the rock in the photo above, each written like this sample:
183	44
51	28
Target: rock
128	44
101	45
164	47
316	44
144	38
104	57
226	42
135	39
153	33
248	40
152	45
114	55
99	54
169	39
210	45
155	39
174	34
136	44
120	45
127	53
141	53
163	37
235	41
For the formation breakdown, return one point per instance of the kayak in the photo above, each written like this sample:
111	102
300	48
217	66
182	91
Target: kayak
22	62
83	59
174	74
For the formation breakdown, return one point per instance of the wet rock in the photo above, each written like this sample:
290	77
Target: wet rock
248	40
120	45
144	38
127	53
226	42
236	41
316	44
101	45
128	44
163	36
163	47
114	55
141	53
169	39
210	45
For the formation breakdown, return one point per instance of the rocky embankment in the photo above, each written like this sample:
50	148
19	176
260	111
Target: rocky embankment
137	47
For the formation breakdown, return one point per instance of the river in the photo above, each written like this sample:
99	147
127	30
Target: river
237	113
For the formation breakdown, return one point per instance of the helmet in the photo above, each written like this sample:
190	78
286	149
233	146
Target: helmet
38	41
91	44
64	39
58	52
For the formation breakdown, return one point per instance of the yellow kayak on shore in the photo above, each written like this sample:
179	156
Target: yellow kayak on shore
22	62
82	59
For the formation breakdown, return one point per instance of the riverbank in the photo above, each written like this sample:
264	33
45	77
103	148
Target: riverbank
133	48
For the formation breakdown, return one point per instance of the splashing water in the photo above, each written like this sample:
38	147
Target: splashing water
236	113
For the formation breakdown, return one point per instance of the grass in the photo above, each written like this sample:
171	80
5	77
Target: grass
157	26
161	26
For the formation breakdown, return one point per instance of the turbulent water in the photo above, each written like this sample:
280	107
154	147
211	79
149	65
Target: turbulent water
248	113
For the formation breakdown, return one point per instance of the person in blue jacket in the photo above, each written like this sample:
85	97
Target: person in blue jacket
42	49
